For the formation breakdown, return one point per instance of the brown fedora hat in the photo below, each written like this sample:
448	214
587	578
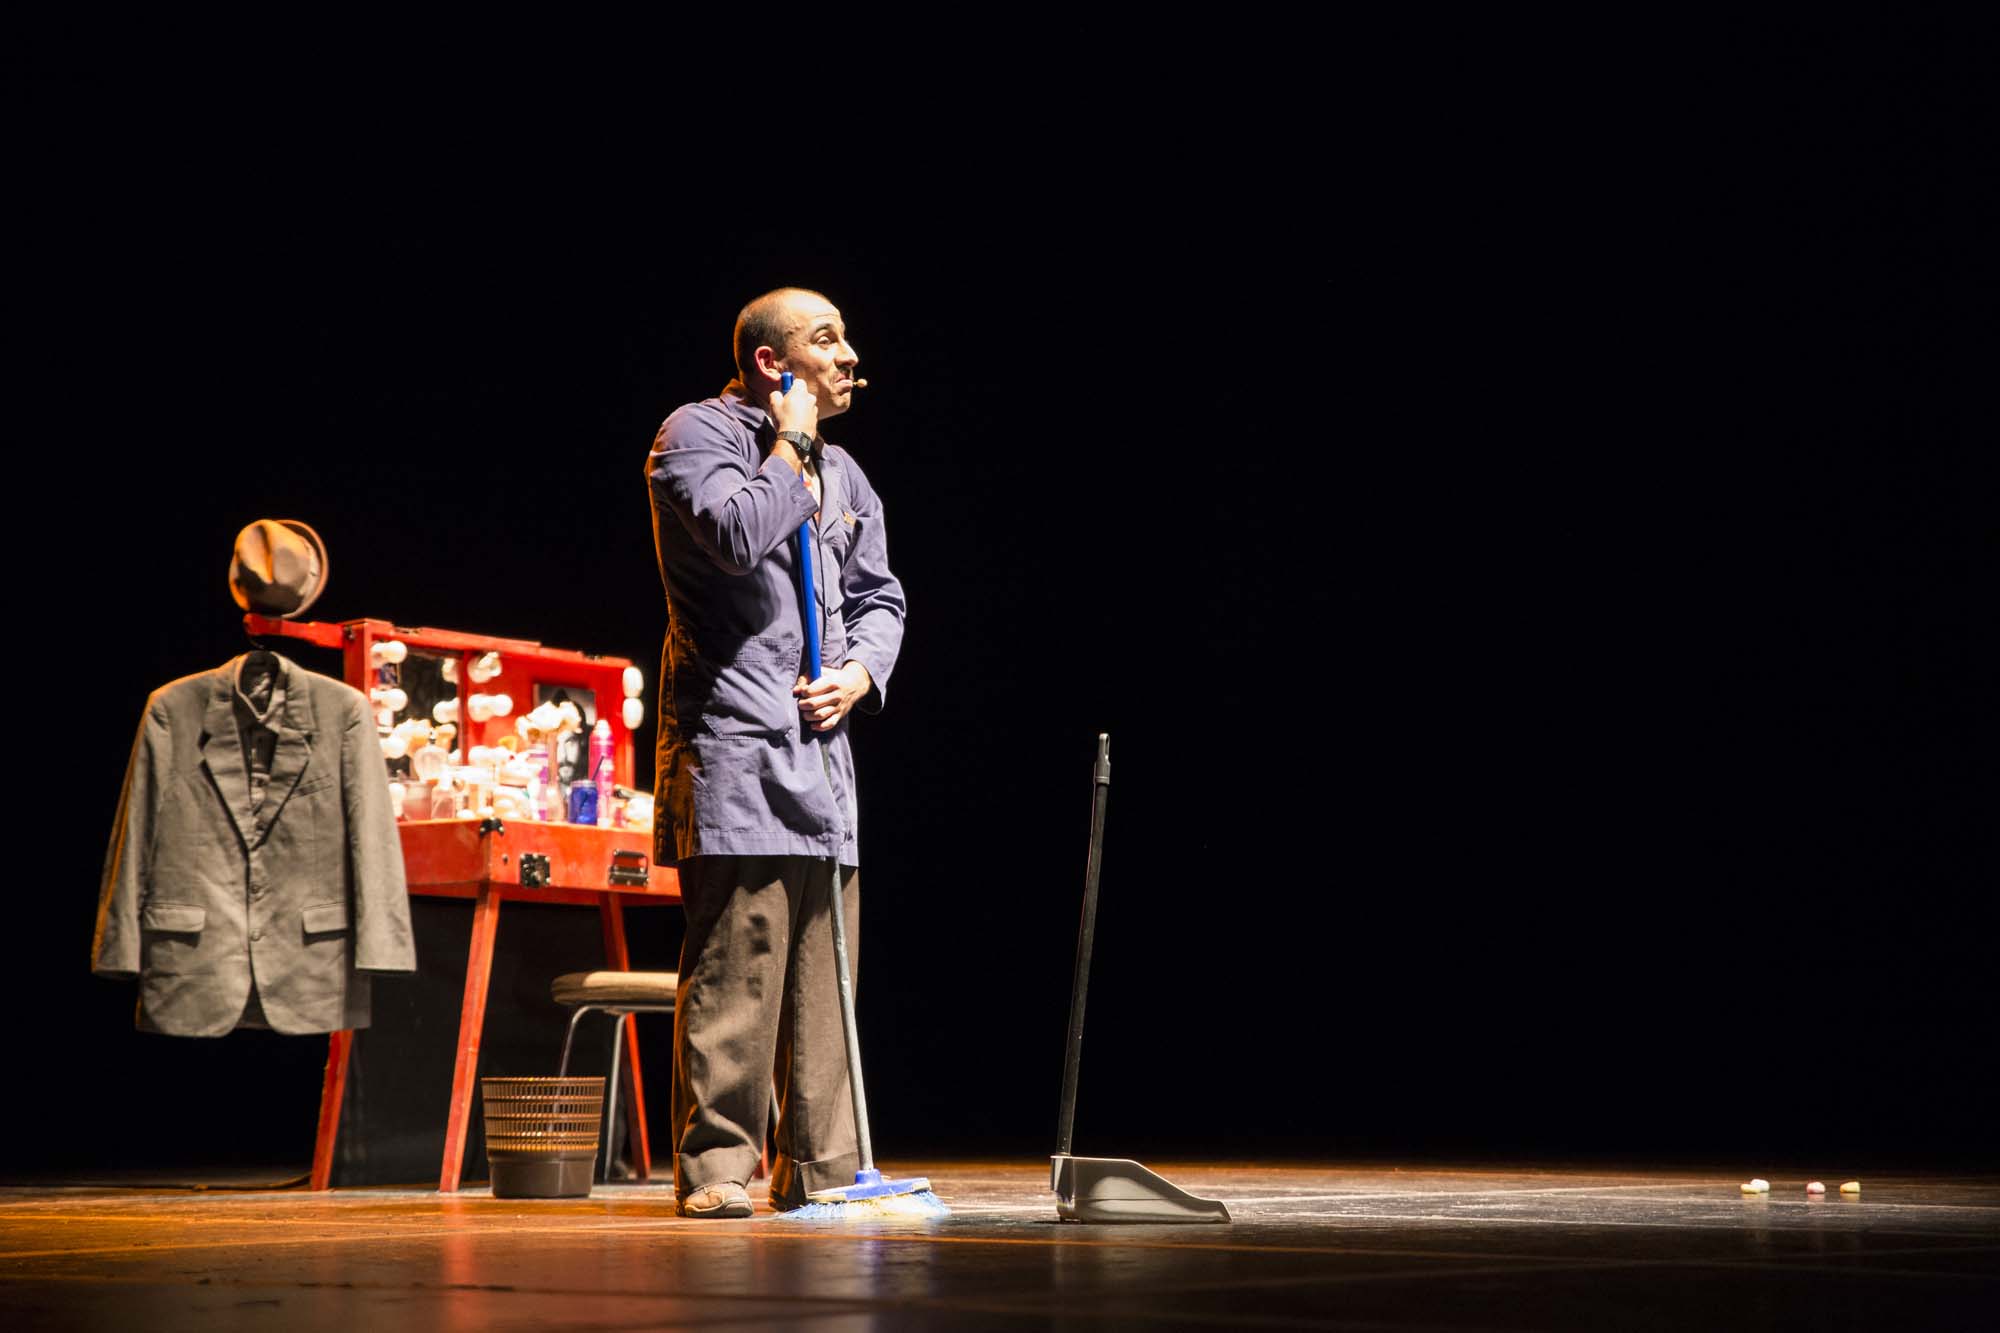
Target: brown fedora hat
278	568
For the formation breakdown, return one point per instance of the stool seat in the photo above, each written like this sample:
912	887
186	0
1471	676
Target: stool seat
611	988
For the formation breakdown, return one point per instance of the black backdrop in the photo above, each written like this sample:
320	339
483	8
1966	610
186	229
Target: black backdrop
1533	616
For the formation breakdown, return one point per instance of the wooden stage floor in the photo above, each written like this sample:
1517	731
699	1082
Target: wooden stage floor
1325	1246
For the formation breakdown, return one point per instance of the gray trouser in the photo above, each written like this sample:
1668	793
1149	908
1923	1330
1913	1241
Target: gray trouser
759	1000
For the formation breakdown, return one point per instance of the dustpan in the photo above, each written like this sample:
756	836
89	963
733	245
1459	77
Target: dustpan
1107	1189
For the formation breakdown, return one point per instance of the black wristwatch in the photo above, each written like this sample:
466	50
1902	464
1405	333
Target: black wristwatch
799	440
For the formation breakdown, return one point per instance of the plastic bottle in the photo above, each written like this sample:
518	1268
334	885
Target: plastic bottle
601	769
600	745
537	761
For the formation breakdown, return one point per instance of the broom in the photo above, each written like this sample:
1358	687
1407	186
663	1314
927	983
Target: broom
870	1197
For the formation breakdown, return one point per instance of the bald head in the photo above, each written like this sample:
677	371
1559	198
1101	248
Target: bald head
771	320
796	332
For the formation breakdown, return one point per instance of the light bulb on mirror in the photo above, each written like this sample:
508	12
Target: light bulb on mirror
485	707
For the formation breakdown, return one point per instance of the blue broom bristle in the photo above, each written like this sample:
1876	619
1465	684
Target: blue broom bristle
872	1198
921	1206
868	1184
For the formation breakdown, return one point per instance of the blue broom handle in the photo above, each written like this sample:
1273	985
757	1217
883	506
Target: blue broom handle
806	572
811	602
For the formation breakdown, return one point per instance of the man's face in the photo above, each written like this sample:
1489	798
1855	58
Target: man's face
819	354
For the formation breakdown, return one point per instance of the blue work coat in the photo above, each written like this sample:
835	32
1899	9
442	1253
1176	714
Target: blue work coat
739	771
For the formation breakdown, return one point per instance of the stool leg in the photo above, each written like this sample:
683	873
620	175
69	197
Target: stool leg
576	1015
611	1087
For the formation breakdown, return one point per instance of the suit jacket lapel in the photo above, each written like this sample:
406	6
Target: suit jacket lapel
222	752
294	749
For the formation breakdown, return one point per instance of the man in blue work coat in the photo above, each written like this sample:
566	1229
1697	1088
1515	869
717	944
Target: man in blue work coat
755	777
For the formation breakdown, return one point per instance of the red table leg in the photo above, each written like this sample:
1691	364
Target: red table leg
331	1091
471	1023
616	959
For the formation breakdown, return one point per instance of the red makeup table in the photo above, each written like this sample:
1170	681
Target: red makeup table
481	860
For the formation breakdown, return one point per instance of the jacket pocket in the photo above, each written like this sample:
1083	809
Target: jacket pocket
750	690
174	918
837	539
323	918
727	786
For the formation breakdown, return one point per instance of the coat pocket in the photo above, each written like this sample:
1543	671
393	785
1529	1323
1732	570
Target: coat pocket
838	536
174	918
727	786
324	918
749	692
173	939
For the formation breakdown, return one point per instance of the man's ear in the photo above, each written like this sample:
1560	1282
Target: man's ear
768	361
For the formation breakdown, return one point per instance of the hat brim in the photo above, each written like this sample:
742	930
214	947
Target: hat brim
319	585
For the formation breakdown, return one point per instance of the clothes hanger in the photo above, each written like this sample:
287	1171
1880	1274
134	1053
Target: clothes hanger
260	661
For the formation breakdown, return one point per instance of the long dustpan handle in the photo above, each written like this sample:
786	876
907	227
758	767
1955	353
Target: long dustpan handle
1100	794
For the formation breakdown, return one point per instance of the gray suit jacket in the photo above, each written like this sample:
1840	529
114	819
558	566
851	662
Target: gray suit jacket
200	892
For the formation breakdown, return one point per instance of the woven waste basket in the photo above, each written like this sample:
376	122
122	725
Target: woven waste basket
541	1135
